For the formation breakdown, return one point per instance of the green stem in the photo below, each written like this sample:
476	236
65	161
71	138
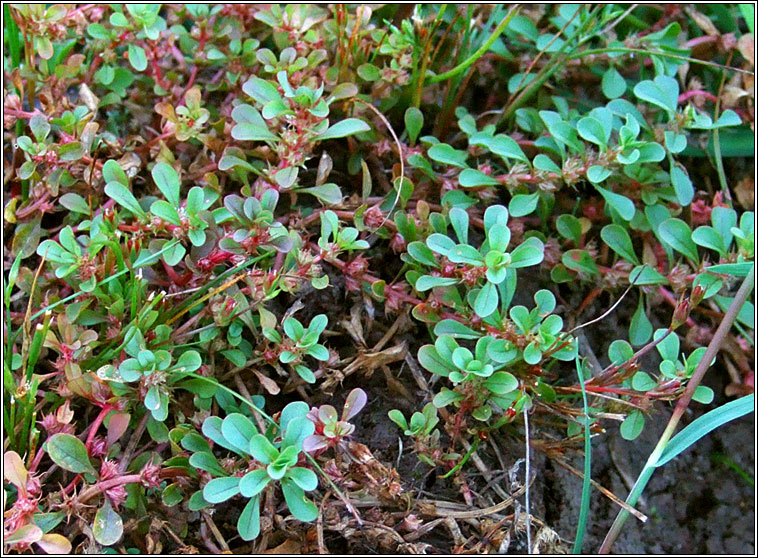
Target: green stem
710	354
717	145
479	52
424	63
465	458
649	53
554	64
586	488
230	392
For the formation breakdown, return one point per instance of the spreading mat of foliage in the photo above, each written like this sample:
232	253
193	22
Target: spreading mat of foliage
237	236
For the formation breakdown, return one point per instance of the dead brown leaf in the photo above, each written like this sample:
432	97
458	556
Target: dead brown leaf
290	546
745	192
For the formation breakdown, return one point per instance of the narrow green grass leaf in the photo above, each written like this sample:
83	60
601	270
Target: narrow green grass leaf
704	425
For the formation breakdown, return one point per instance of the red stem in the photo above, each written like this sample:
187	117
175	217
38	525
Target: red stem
697	93
96	424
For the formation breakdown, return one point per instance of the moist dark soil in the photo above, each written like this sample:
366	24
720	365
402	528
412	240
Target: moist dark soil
696	504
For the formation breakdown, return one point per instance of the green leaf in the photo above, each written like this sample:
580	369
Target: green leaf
250	125
532	353
40	127
456	329
166	211
748	14
249	522
74	202
122	195
708	237
297	430
69	453
499	237
261	90
152	398
646	275
440	243
430	359
167	180
592	130
486	300
632	425
174	255
662	92
682	185
344	128
447	155
746	314
262	449
472	178
523	204
414	121
254	482
703	425
328	193
597	173
677	234
304	478
501	145
112	172
206	461
618	239
274	109
703	394
368	72
197	502
642	381
569	227
668	347
419	252
528	253
54	252
446	397
108	526
613	84
463	253
640	329
735	269
623	205
675	143
545	163
212	430
238	431
398	418
302	508
221	489
580	260
501	383
137	57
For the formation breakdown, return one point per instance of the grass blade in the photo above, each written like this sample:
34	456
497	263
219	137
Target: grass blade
584	508
704	425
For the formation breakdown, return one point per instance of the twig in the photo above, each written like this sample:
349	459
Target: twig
607	29
216	532
472	514
607	493
131	446
320	525
526	483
